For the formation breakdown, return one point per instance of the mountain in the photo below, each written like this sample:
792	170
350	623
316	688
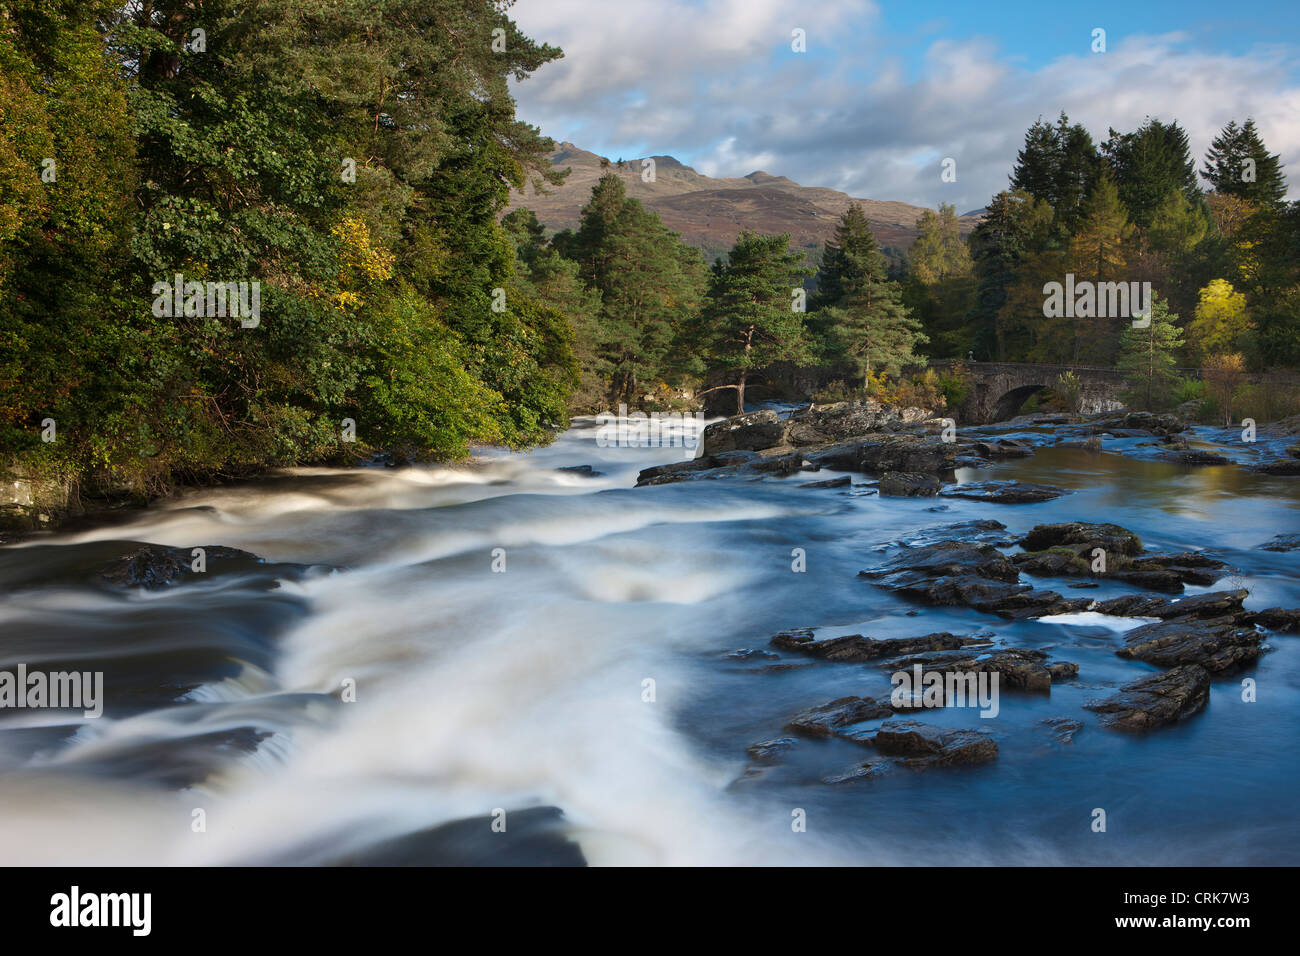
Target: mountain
710	213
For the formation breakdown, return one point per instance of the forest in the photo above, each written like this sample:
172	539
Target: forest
349	164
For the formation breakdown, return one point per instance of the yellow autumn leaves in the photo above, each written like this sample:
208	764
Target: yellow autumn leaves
361	262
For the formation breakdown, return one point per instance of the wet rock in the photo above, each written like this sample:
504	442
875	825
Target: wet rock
950	573
923	745
771	749
829	483
1081	537
1166	426
1017	668
900	484
1004	492
1053	563
661	474
752	431
1282	466
536	836
1278	619
944	559
1282	542
1007	448
1198	457
1217	647
1064	728
982	531
827	719
877	454
586	471
154	566
1032	603
1212	604
1156	700
855	647
875	767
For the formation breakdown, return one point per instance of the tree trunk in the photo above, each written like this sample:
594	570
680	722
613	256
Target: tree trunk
740	393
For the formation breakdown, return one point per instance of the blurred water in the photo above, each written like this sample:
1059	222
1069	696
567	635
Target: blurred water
478	690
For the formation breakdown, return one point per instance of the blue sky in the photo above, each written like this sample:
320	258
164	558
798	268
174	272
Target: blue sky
886	90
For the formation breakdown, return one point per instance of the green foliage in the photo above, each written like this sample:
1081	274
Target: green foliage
1148	357
393	296
749	320
1229	161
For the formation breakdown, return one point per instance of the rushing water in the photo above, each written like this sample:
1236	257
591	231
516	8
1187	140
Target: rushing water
478	689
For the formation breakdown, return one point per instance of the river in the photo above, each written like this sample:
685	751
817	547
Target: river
499	680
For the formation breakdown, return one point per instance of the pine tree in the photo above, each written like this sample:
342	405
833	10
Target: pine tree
859	309
749	320
1014	226
1148	357
1148	164
1228	172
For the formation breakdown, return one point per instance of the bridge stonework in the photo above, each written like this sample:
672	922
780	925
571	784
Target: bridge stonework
998	389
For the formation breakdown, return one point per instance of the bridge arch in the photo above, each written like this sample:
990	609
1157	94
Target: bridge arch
1009	404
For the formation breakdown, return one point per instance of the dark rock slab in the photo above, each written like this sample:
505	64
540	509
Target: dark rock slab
924	745
1217	647
1004	492
843	482
1156	700
827	719
855	647
902	484
1082	537
1282	542
154	566
772	749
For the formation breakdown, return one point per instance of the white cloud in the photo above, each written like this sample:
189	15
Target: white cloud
716	84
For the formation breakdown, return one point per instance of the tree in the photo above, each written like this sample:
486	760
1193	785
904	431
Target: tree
1239	164
749	319
859	309
939	251
649	282
1148	164
1148	357
1223	374
1221	319
1015	225
1059	165
1099	253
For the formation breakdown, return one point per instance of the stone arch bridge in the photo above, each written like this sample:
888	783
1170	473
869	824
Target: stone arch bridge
998	389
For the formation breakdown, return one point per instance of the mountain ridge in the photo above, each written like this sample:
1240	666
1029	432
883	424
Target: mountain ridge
710	212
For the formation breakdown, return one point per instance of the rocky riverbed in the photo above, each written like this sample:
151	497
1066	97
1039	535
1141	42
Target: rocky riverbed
926	644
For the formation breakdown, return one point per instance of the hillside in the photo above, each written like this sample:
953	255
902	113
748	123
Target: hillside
710	213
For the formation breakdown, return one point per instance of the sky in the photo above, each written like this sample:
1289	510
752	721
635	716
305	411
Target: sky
885	90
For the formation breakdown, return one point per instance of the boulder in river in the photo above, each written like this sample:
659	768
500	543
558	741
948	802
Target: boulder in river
1004	492
924	745
905	484
154	566
1017	668
826	719
1156	700
1281	542
1217	646
856	648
